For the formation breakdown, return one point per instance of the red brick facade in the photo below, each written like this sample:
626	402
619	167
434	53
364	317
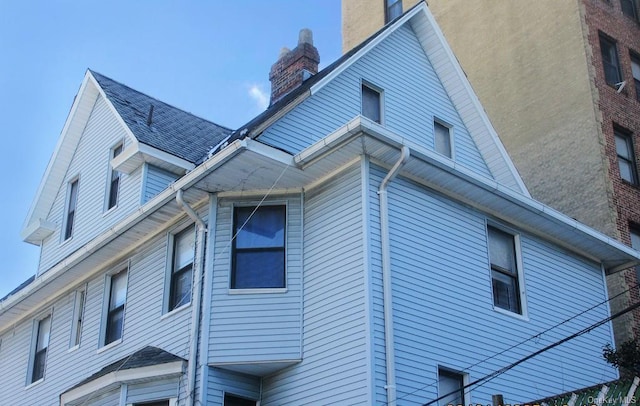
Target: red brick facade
618	109
287	73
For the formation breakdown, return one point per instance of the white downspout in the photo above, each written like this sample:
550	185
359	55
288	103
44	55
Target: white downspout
386	276
201	227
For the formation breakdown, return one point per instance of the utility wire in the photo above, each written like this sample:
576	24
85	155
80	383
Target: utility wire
494	374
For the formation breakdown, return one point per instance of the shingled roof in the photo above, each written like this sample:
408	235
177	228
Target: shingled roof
160	125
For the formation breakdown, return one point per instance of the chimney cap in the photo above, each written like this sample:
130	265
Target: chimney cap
305	36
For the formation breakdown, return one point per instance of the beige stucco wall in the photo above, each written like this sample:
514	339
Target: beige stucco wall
527	62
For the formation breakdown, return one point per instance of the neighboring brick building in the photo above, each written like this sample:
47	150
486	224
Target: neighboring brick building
561	84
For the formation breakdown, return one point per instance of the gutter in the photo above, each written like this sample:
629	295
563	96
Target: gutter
197	294
386	276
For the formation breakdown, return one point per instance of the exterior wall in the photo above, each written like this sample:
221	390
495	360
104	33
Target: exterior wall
335	367
220	382
155	180
256	327
412	98
444	313
91	164
144	324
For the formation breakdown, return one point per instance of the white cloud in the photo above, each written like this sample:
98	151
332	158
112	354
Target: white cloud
259	96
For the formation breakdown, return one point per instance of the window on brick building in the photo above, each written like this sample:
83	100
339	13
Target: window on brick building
635	70
610	60
634	232
626	156
630	8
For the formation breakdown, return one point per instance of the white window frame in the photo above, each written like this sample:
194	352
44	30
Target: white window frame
520	270
170	264
113	174
627	138
449	127
77	322
67	209
106	303
377	89
35	333
465	381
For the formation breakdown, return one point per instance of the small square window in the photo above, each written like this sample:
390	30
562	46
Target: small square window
371	104
450	384
182	268
442	139
635	71
393	9
114	180
115	310
42	333
258	247
626	156
610	60
630	8
70	212
504	270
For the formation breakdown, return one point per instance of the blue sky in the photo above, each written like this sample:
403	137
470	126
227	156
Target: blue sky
211	58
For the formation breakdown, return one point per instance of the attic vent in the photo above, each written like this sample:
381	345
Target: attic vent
150	115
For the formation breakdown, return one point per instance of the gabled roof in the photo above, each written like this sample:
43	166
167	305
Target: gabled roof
450	73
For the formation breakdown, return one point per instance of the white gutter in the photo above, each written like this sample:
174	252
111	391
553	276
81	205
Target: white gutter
197	294
386	276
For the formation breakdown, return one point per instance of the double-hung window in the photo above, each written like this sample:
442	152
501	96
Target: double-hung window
610	60
114	180
450	384
442	139
70	212
40	349
258	248
630	8
115	311
504	270
371	103
635	71
626	156
182	268
392	9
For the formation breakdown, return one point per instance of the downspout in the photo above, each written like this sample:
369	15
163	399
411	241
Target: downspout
386	276
201	227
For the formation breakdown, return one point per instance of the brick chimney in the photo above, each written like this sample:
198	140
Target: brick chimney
294	66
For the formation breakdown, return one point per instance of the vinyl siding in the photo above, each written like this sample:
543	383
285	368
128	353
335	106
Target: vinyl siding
443	306
412	98
334	366
257	326
220	382
156	390
90	164
144	324
155	181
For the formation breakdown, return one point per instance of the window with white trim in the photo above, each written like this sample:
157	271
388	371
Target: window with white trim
451	384
626	156
442	139
114	179
392	10
70	210
78	316
505	278
41	344
371	103
258	249
181	278
117	298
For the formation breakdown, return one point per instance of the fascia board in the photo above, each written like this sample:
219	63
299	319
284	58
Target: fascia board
165	156
159	371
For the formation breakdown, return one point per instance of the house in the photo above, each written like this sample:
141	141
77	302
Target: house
560	82
366	240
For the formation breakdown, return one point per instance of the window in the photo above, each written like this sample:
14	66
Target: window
258	247
115	311
635	70
610	61
504	271
154	403
232	400
452	385
72	201
371	105
181	268
393	9
78	314
40	351
630	8
634	232
626	156
114	182
442	139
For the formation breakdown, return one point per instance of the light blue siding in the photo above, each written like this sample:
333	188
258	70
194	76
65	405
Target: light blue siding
156	390
412	97
155	181
443	306
220	382
90	164
334	367
256	326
